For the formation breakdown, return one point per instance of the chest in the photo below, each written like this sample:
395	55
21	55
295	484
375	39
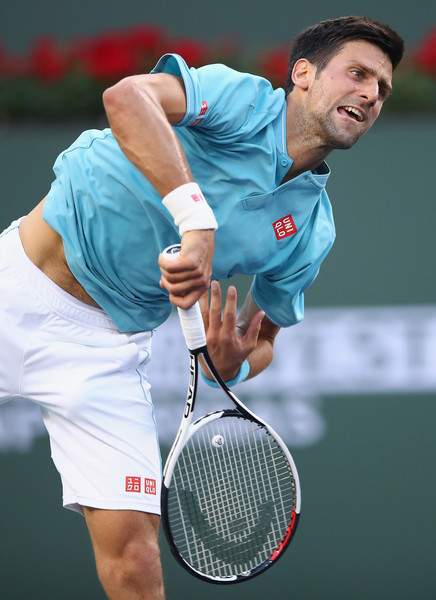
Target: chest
259	232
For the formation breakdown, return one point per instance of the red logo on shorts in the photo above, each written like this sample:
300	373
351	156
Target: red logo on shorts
150	486
133	484
284	227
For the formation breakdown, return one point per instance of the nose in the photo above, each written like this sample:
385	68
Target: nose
370	91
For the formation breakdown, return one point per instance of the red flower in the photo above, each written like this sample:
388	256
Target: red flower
425	54
274	65
146	45
111	56
145	38
194	52
107	57
46	61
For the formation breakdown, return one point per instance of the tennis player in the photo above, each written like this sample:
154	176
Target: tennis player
233	168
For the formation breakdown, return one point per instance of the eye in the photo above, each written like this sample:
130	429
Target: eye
356	73
385	91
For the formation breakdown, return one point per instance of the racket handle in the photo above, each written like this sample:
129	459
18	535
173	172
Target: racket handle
190	318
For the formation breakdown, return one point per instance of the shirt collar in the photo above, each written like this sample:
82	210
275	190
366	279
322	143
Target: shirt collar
284	162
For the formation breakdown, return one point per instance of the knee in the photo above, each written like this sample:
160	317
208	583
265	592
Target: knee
137	567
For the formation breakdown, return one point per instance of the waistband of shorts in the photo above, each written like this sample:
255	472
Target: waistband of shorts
49	292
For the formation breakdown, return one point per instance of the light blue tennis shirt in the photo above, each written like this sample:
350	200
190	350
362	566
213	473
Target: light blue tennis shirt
114	225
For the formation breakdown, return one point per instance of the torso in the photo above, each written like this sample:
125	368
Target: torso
45	249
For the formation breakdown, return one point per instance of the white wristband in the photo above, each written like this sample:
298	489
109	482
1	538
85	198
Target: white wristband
189	209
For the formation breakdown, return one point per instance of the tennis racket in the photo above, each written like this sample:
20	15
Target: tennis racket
231	494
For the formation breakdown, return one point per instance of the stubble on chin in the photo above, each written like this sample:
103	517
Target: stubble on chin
335	136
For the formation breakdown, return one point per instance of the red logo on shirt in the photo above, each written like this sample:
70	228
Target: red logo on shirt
201	114
204	108
284	227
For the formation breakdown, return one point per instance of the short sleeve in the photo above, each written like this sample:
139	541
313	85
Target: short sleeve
221	101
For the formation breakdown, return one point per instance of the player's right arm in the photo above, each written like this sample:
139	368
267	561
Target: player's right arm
141	111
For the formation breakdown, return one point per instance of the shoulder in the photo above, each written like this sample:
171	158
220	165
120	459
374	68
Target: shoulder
220	81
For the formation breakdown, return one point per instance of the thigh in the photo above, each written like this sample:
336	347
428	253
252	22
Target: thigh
100	418
126	552
90	381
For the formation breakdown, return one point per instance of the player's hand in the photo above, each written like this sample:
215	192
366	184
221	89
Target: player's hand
227	347
188	277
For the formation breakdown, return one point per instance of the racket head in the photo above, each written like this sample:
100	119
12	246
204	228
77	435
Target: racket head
230	498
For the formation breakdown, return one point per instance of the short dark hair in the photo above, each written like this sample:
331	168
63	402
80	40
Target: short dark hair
321	42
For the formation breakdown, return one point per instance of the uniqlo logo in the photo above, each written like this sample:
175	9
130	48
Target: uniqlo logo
150	486
197	198
204	108
284	227
133	484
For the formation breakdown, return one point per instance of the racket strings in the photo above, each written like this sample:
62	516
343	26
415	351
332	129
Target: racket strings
230	503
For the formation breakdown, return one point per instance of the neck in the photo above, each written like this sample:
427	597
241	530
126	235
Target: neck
304	146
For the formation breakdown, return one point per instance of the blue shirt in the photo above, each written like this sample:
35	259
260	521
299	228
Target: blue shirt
114	225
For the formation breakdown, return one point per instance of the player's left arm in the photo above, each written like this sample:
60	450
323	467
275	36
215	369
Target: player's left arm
232	339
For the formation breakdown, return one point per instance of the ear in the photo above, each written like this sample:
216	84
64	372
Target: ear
302	73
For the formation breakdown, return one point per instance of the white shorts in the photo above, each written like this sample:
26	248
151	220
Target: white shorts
89	380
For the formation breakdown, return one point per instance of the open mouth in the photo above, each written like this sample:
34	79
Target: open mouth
352	112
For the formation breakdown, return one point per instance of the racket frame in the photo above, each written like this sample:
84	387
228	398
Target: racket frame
195	337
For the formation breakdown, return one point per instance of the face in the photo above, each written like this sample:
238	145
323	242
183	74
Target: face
345	98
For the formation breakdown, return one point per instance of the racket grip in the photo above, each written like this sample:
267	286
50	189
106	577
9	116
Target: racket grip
192	327
190	318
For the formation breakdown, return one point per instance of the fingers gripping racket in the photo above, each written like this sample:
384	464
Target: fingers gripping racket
231	493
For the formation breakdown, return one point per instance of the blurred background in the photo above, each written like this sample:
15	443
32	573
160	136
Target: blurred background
352	388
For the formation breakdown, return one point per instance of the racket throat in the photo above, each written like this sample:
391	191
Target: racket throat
192	386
